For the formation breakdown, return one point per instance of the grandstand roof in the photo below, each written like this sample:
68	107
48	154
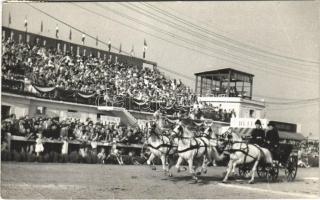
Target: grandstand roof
224	70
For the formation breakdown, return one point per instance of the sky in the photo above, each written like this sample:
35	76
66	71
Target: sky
190	37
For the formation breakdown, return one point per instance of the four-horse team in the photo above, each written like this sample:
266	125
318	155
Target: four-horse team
259	152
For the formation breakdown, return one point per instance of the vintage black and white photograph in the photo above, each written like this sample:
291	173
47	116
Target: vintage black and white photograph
160	100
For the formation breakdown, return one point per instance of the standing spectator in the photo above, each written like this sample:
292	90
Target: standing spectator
114	152
94	143
102	156
39	145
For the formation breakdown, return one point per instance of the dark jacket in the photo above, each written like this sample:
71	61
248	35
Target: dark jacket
272	136
257	136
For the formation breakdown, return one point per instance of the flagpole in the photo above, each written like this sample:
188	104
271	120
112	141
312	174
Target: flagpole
26	33
56	42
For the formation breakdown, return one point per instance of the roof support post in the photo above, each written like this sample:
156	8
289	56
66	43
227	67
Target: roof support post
229	79
196	84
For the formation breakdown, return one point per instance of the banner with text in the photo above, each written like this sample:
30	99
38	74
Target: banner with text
108	119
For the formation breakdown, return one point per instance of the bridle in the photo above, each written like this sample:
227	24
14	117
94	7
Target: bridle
160	137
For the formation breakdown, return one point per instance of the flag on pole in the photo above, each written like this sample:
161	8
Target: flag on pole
26	23
109	45
97	41
145	47
132	51
41	27
83	39
9	18
57	31
145	44
120	48
70	34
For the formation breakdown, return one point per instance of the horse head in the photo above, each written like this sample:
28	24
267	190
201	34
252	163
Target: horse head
177	131
227	139
152	128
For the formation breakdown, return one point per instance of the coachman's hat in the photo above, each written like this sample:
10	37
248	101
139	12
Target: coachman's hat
258	122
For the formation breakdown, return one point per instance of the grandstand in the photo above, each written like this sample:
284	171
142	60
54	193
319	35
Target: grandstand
59	89
50	85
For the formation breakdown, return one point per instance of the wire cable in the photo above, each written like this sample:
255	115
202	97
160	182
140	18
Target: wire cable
184	40
75	28
152	15
175	17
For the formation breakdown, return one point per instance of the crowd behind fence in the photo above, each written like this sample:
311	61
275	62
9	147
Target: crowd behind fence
72	141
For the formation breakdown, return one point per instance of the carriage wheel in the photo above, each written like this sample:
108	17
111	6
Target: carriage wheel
244	172
261	171
291	168
273	173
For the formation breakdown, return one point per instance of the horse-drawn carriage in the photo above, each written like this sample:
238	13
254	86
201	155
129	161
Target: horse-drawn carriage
286	158
249	158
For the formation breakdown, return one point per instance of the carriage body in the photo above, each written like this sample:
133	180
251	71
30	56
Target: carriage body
285	158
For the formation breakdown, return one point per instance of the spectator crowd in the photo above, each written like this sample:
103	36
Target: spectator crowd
71	129
87	134
308	153
104	77
47	67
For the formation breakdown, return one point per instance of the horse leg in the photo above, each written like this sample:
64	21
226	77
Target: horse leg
206	160
170	161
254	169
152	156
178	164
191	170
230	165
163	161
234	165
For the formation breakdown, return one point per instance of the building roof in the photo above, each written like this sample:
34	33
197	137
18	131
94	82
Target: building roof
224	70
282	134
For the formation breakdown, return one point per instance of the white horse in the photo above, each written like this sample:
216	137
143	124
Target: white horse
160	146
242	153
190	148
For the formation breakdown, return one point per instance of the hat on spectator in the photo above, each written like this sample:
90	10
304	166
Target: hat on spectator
258	122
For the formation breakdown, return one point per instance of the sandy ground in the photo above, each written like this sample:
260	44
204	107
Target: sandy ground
79	181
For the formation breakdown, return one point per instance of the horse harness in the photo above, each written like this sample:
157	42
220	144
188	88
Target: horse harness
163	144
245	150
197	146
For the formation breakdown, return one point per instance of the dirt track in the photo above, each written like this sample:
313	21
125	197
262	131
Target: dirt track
39	180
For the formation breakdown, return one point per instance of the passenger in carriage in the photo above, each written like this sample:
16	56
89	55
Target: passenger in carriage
272	139
257	135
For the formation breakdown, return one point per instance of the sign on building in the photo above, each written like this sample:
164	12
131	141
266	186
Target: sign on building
247	122
108	119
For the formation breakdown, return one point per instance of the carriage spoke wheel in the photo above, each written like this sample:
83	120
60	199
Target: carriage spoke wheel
273	173
291	168
261	171
244	172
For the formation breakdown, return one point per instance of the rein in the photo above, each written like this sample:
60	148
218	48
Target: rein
197	146
245	151
163	144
